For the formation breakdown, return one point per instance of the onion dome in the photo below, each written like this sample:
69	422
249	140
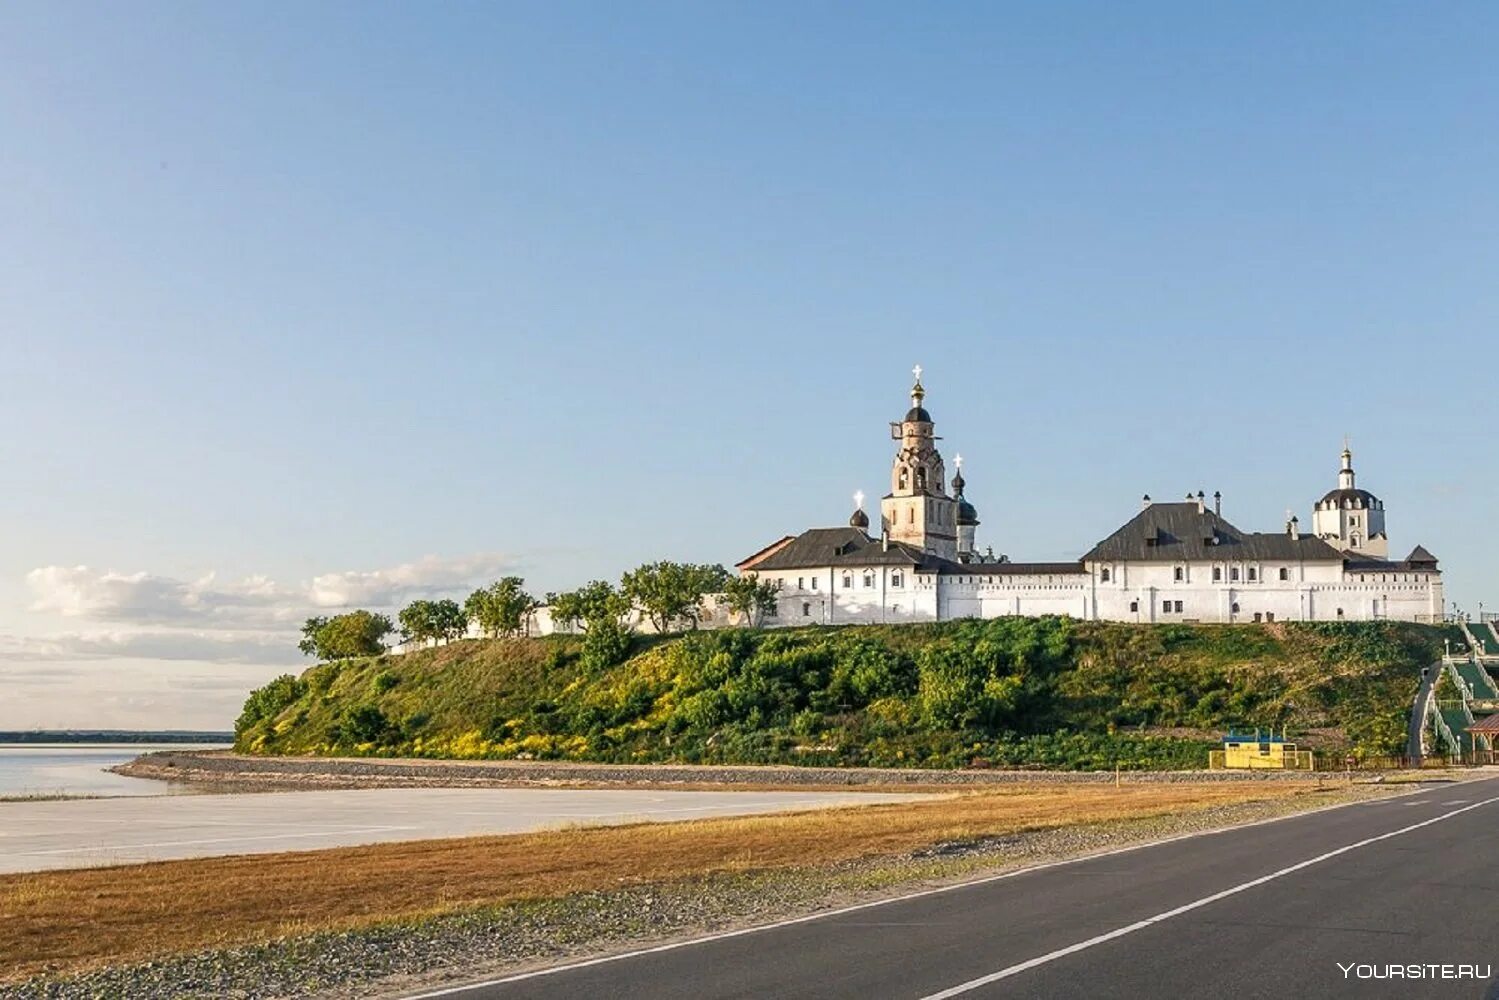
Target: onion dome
967	514
859	520
917	413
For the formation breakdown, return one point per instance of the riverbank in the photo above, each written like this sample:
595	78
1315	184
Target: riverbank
346	920
242	772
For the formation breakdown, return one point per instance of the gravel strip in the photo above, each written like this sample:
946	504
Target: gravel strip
239	770
402	956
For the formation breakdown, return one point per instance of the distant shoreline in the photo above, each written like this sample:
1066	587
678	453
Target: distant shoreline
31	737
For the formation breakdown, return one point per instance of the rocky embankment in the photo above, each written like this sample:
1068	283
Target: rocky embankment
243	771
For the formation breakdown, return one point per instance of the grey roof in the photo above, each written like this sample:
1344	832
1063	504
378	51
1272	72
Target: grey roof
1182	532
837	547
1419	559
1012	568
1360	499
918	414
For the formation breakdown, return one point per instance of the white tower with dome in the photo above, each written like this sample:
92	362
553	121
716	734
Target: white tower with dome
1351	519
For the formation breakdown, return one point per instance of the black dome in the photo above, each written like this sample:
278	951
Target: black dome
860	520
1358	499
967	514
917	413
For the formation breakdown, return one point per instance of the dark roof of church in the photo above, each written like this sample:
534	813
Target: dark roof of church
918	413
1358	498
836	547
1419	559
1012	568
1182	532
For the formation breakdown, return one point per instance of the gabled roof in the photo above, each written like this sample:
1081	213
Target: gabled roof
1488	724
834	547
1185	532
1419	560
1419	554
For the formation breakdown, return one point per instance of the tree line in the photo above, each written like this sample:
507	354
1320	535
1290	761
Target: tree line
669	595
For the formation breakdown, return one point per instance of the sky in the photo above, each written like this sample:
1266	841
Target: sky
315	306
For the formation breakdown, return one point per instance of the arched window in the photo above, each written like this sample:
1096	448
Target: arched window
1285	574
1217	574
1233	574
868	579
1253	574
1340	614
1103	574
895	579
921	479
848	581
1235	607
1354	540
905	478
806	609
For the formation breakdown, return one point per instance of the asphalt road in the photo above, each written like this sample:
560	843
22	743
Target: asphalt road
92	832
1265	911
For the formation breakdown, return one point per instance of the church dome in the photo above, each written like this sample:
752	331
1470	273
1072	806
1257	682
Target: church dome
859	520
1349	499
917	414
967	513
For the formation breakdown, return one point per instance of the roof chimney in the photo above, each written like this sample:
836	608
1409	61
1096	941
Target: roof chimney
1145	501
1218	502
1293	528
1201	501
885	540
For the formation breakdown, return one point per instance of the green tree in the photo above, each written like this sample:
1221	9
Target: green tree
439	621
357	633
502	608
670	592
589	606
268	702
750	598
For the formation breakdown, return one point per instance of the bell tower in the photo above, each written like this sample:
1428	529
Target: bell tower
918	510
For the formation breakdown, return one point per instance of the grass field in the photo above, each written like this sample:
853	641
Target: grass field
58	922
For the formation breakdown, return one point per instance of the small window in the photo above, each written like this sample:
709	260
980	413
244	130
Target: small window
1353	520
1134	607
1354	540
1181	573
910	515
868	579
1269	616
1166	607
1253	574
848	581
1103	574
806	609
801	583
1233	574
1340	614
1235	607
1178	608
1285	574
814	583
772	612
895	579
1217	574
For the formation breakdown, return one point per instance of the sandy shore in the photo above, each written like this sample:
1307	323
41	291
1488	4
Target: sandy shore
243	772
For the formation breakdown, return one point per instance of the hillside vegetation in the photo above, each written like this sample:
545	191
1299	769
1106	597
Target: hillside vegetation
1047	692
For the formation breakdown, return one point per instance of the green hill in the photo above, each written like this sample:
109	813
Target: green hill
1048	692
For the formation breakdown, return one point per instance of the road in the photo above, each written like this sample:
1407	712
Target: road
90	832
1265	911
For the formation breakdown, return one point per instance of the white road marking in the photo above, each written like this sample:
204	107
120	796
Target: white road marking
841	911
1454	802
1198	904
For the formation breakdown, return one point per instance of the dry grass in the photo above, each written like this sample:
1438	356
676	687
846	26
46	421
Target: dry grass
72	920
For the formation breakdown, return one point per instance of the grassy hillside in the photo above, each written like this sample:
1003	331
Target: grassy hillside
1012	691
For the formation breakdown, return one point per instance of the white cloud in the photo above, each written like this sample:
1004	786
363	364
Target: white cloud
389	587
164	644
255	620
255	602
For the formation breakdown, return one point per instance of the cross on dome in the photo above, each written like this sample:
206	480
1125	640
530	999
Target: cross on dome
859	499
958	460
917	372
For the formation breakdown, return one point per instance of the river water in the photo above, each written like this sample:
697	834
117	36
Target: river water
79	769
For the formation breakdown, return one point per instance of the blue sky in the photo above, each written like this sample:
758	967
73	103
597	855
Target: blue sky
355	302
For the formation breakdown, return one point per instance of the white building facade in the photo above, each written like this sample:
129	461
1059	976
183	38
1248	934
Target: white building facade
1171	562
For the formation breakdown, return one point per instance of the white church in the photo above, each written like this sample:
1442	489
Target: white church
1171	562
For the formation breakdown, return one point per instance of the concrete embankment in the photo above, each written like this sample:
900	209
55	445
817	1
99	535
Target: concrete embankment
239	770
